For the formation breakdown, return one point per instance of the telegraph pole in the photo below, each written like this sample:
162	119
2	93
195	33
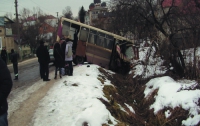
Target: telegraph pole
18	35
57	14
57	27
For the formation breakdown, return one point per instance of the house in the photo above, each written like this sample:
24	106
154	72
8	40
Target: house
105	20
95	9
6	36
45	28
185	20
48	29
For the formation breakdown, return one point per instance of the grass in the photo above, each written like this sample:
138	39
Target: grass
130	91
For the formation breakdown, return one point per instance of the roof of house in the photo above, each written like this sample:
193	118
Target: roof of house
185	5
6	20
168	3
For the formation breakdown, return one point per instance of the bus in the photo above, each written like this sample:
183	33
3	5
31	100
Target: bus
97	46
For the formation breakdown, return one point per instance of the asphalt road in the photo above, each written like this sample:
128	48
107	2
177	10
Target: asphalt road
28	71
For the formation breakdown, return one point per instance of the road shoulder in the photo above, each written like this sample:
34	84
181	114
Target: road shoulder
23	115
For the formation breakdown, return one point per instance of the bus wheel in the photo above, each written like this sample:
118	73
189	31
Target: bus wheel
79	59
85	59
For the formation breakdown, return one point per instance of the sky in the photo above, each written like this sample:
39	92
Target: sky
48	6
73	100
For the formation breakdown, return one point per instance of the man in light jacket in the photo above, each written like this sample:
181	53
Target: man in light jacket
69	59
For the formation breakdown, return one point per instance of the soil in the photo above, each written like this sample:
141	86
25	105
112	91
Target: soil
23	115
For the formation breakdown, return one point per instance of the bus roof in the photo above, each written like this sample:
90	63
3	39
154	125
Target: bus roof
97	29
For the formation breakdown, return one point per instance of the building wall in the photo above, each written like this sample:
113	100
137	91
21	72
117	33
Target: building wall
7	41
93	14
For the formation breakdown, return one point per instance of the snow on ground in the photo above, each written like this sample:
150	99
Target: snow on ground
73	101
175	94
171	93
154	66
23	94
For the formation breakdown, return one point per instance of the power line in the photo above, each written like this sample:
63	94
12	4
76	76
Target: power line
7	6
40	6
6	2
3	11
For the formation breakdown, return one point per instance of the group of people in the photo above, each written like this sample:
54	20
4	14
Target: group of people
62	59
61	55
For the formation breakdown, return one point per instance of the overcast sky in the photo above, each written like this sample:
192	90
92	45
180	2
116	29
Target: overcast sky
48	6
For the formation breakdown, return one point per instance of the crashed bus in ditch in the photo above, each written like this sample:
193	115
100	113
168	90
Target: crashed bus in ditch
97	46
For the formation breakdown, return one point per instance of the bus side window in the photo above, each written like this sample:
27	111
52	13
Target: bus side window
100	39
92	36
110	44
84	34
105	43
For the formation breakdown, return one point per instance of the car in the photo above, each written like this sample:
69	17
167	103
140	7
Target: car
51	56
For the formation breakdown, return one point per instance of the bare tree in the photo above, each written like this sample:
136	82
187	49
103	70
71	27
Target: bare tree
9	15
68	13
145	18
30	26
82	14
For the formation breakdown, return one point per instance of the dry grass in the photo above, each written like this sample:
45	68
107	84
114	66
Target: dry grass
74	84
130	91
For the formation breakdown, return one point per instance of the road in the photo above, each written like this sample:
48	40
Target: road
28	72
27	92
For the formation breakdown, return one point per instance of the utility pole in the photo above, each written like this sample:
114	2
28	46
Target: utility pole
18	35
57	14
57	27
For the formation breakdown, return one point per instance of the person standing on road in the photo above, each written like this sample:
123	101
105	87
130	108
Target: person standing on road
69	55
44	59
4	55
63	46
14	60
59	61
5	88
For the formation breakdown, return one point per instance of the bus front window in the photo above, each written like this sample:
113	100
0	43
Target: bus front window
129	53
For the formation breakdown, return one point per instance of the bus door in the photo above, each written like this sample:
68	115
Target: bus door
81	46
102	50
65	28
90	46
114	60
70	30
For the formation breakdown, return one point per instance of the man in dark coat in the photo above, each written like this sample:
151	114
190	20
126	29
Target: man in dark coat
63	46
14	60
4	55
5	88
44	59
